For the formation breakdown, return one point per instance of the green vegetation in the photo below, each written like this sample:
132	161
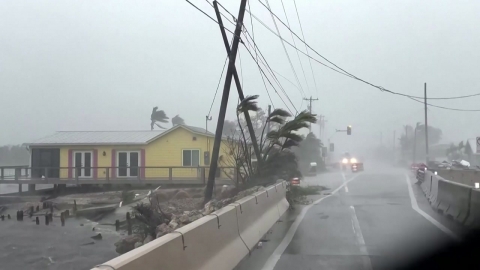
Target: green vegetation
276	136
298	194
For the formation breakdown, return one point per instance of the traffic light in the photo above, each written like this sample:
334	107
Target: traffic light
349	130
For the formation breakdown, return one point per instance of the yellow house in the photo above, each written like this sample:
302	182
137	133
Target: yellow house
182	152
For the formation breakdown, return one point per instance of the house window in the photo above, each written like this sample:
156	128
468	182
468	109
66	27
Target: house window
191	158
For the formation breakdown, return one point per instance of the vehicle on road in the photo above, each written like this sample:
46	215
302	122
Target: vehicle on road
357	167
295	181
352	162
312	169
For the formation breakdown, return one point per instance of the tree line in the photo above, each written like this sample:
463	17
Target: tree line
13	155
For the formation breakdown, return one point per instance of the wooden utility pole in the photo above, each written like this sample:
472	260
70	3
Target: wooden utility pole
310	107
238	85
223	106
426	122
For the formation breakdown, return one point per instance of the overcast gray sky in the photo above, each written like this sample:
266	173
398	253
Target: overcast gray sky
103	65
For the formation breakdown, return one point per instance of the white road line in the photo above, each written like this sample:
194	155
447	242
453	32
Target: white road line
367	264
273	259
415	207
345	179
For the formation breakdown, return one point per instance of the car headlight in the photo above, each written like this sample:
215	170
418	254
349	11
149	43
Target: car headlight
353	160
345	161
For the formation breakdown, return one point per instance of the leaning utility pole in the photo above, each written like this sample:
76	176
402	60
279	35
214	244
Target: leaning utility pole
310	108
238	85
426	123
223	106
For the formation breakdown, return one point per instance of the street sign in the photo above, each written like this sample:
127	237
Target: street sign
478	145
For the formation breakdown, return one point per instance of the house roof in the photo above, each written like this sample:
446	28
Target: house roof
111	137
98	137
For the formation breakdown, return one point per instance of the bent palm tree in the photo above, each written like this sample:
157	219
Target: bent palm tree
177	120
158	116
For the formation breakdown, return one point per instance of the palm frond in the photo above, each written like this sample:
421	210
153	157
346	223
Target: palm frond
280	112
249	103
273	135
289	143
277	119
293	137
306	116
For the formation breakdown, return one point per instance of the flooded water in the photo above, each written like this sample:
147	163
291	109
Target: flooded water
13	188
26	245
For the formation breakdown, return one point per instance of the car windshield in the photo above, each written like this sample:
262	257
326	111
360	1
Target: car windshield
246	134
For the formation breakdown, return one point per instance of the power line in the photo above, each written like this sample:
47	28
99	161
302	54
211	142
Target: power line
265	63
286	52
270	81
346	73
459	97
298	55
303	35
218	85
262	73
208	16
342	71
445	108
223	15
241	68
256	57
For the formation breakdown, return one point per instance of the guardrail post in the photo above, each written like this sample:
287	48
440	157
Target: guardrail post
16	175
107	174
1	173
46	173
170	174
139	175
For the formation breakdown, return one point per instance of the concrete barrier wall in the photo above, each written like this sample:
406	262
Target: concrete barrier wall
467	177
427	183
453	199
217	241
473	219
433	190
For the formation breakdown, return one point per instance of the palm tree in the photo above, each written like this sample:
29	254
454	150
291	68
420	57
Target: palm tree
177	120
276	158
158	116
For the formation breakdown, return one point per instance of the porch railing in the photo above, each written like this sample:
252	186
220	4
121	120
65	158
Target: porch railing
111	174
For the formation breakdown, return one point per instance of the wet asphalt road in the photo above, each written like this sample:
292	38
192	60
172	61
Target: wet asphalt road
367	223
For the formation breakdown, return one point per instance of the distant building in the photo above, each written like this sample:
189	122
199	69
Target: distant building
470	152
124	154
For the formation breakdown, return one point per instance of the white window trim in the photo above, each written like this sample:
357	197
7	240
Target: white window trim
199	157
83	168
117	161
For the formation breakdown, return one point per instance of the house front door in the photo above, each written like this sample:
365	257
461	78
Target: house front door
128	163
83	163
